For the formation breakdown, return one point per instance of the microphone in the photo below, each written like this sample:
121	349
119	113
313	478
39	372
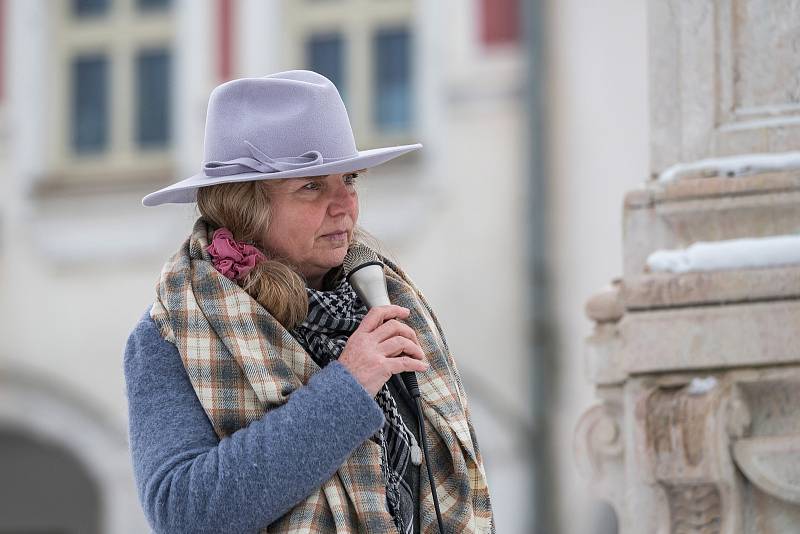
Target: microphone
364	271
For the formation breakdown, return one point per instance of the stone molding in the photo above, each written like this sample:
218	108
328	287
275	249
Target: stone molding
697	374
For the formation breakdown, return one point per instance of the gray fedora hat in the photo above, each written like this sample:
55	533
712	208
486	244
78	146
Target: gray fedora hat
285	125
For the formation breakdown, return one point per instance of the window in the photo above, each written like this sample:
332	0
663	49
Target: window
325	55
392	79
89	8
153	98
112	96
147	5
90	104
366	49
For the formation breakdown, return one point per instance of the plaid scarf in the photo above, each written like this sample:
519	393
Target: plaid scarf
216	325
332	317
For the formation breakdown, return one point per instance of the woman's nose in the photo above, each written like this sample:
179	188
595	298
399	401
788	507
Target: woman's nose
341	200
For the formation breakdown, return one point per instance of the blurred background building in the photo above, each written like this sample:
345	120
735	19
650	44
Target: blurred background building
104	101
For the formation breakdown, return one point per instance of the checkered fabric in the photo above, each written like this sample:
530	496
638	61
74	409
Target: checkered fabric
242	363
333	316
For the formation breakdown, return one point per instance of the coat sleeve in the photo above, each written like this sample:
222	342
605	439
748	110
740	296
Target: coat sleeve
190	481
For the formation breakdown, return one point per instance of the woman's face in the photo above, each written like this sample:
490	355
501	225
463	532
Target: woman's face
311	222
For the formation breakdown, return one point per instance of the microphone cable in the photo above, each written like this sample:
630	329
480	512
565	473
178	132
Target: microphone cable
364	272
410	380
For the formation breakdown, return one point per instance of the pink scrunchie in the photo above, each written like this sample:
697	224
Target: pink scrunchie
232	258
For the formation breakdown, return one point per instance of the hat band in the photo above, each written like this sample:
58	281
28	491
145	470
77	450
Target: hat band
260	162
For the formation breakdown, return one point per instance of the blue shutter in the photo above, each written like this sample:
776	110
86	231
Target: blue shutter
89	8
325	55
392	71
153	110
147	5
90	104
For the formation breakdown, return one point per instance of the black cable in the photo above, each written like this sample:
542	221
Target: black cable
410	380
428	466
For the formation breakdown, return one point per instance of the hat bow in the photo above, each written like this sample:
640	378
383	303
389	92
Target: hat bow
260	162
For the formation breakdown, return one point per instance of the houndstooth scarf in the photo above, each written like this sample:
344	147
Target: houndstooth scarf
332	317
216	325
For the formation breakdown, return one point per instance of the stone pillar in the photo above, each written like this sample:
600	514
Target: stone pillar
697	366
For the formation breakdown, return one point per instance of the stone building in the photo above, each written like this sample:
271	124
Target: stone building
695	349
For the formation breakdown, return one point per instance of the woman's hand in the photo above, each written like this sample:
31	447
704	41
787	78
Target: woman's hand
382	346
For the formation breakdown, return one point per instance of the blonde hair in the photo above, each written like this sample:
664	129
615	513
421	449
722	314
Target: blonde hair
244	209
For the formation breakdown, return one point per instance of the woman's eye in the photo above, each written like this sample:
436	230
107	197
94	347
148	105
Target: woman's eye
349	179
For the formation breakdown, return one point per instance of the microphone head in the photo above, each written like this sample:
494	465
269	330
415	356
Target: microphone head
364	271
358	256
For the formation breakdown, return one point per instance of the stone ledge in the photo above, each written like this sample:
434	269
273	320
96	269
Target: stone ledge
666	290
670	225
655	192
710	337
606	306
603	364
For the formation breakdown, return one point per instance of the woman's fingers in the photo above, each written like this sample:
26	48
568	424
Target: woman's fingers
397	345
392	328
381	346
380	314
404	363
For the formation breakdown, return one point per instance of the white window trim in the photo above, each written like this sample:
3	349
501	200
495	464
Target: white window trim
357	21
119	34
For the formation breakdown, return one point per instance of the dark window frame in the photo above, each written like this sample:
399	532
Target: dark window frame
382	75
90	9
339	78
90	97
153	135
148	6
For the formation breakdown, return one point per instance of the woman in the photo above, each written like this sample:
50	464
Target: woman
263	395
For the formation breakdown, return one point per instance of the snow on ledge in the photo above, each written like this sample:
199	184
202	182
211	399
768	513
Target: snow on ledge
701	386
733	165
746	253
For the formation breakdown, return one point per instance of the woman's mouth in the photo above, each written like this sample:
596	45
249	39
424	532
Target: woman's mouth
337	236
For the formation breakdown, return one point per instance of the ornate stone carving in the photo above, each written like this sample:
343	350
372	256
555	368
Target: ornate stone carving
698	428
598	442
700	376
694	509
772	464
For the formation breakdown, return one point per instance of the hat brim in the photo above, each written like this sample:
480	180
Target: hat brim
185	191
